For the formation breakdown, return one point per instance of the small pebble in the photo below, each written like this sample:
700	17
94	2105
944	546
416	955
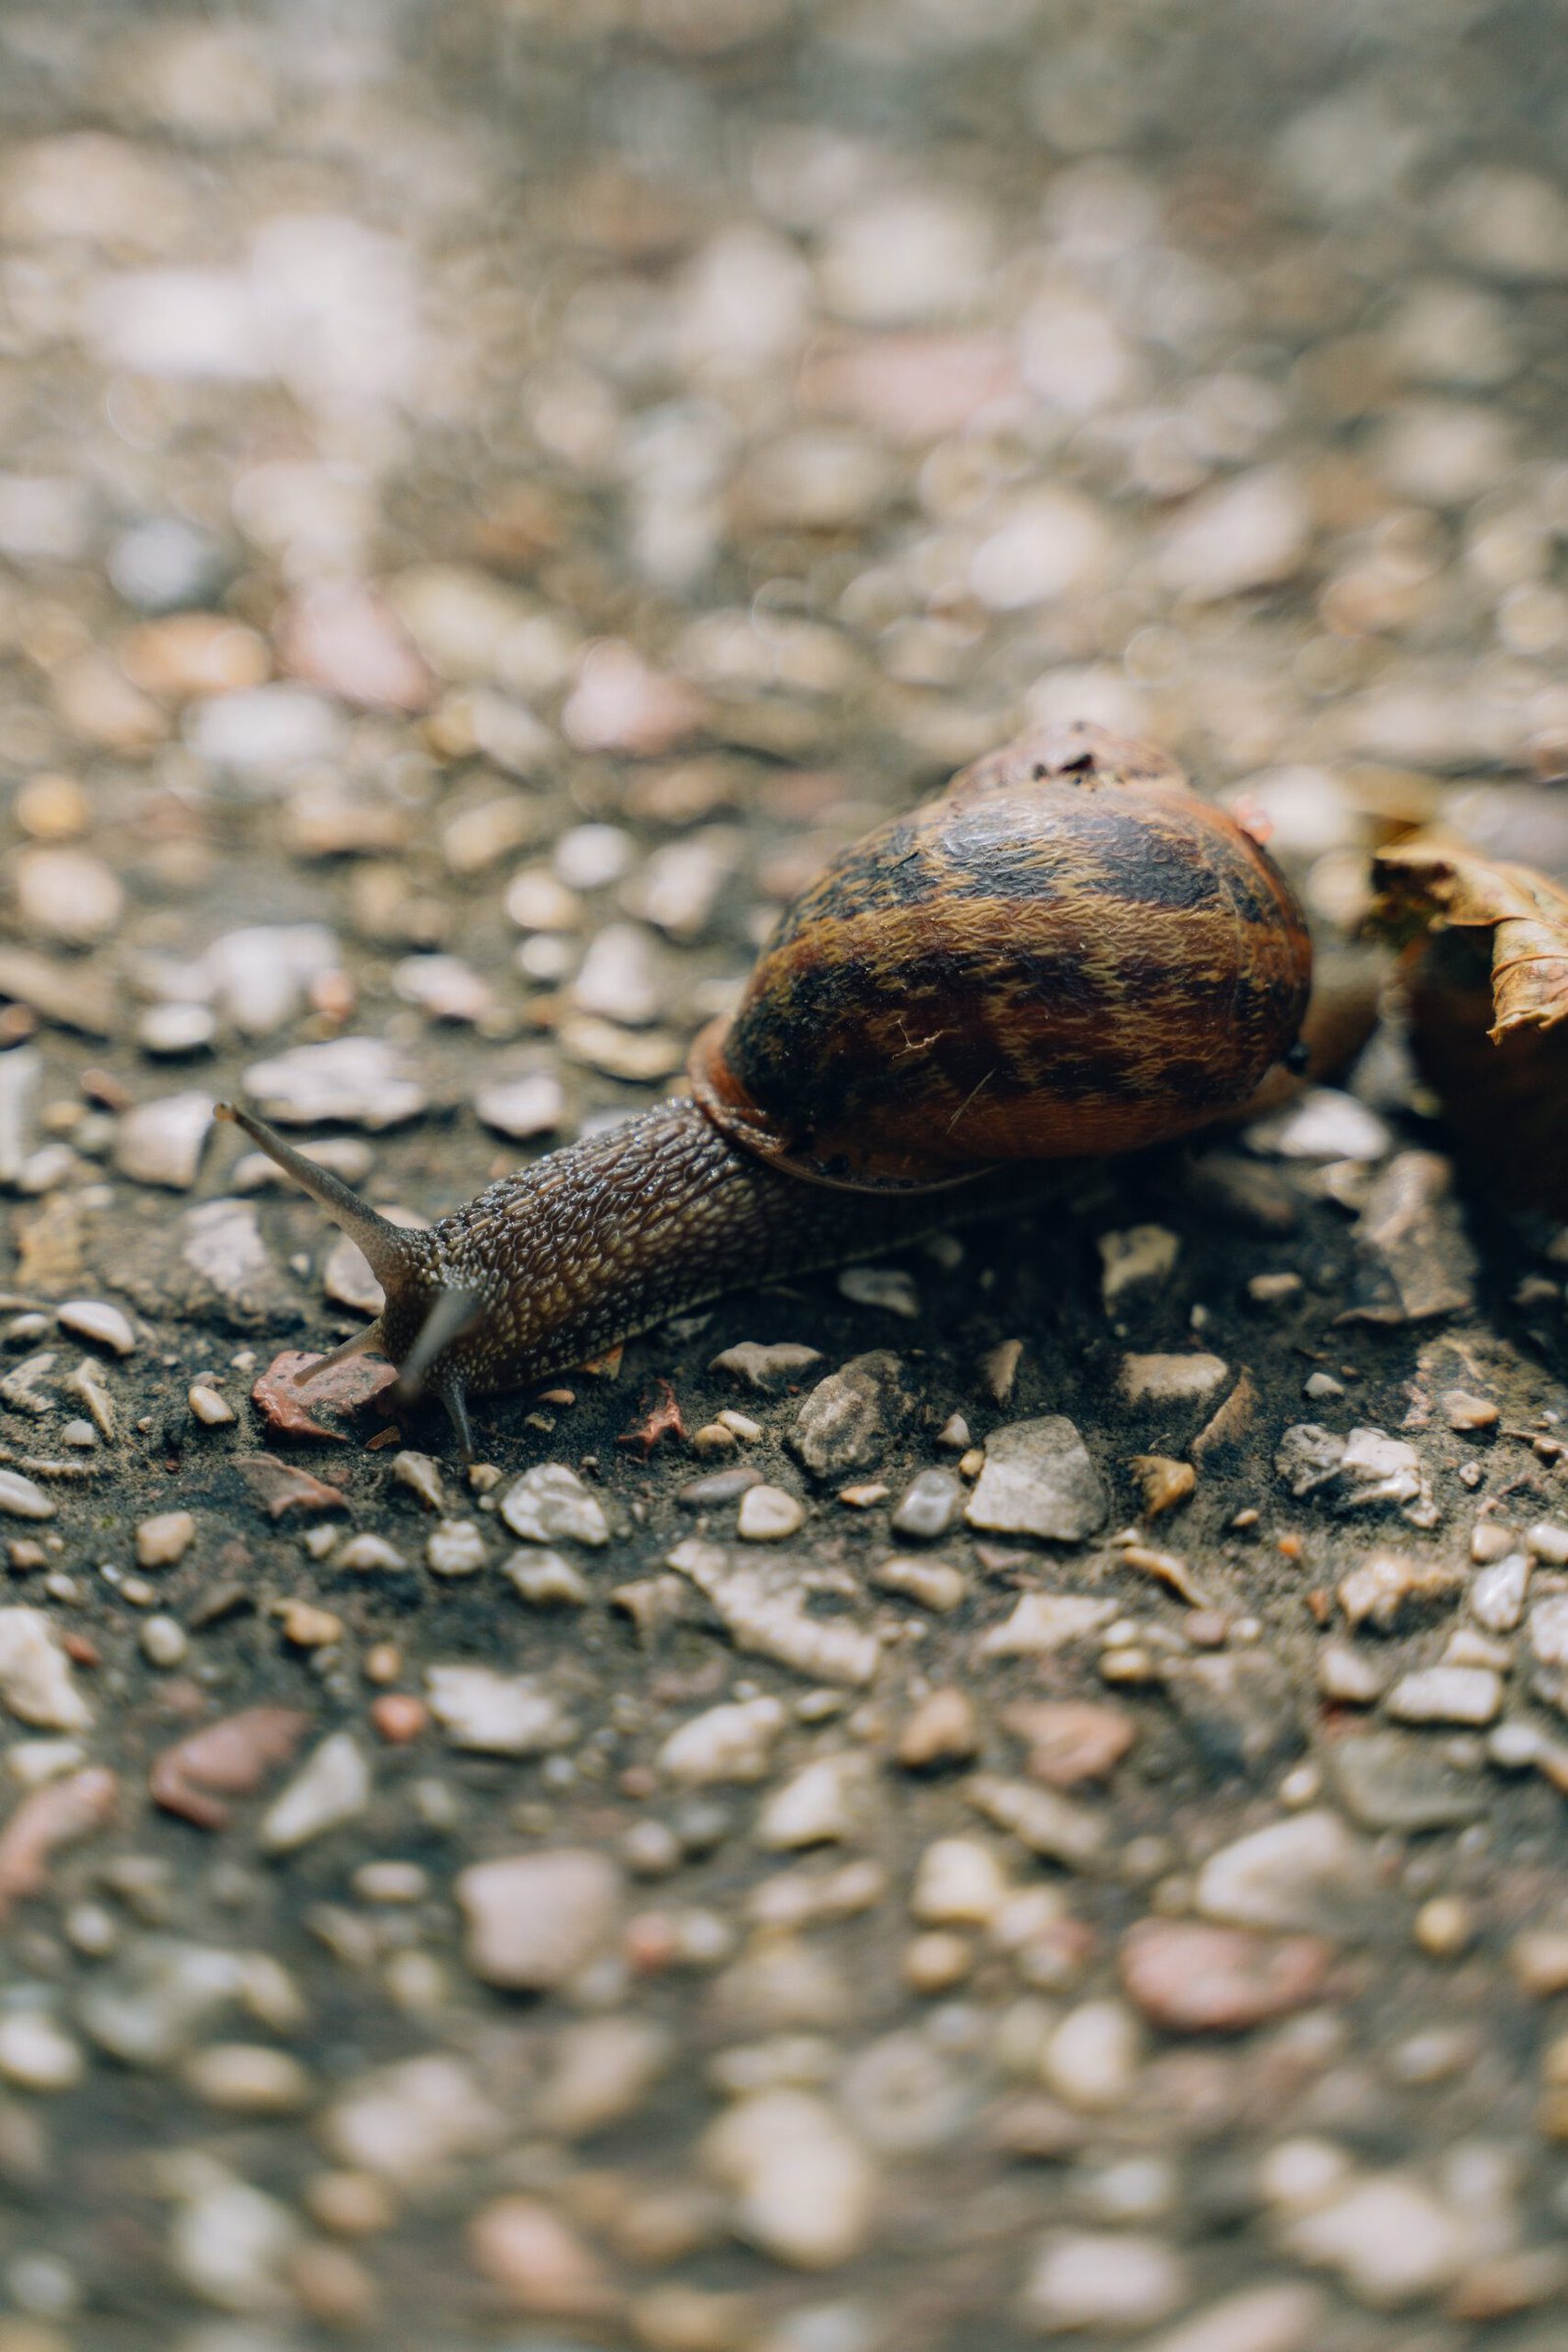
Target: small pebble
37	2055
163	1641
1171	1379
534	1920
491	1714
308	1627
550	1504
1039	1479
1467	1414
546	1581
333	1787
1110	2281
769	1515
399	1718
94	1319
942	1730
929	1584
22	1498
456	1548
165	1540
1348	1676
161	1143
804	2188
422	1475
1445	1926
1092	2056
1144	1256
1467	1695
368	1553
765	1368
929	1506
247	2079
936	1962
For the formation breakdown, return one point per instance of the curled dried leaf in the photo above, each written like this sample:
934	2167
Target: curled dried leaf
1430	883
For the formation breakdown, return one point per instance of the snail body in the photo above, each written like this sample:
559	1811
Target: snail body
1066	953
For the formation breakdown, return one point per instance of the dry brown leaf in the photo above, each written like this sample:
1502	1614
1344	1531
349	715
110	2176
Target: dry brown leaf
1432	883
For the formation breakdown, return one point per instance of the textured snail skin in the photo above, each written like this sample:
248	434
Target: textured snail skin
1065	954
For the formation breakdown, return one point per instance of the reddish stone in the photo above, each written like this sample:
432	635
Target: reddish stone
399	1717
228	1758
539	2264
1191	1979
651	1943
341	636
1070	1740
619	703
1056	1955
81	1649
912	387
55	1815
660	1420
282	1488
286	1406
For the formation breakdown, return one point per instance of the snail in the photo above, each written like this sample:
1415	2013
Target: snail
1066	953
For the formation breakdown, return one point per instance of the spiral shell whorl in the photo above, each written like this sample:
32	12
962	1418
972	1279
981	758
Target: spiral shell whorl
1067	952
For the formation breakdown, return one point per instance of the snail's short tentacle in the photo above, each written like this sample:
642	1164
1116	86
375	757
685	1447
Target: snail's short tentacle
452	1312
363	1343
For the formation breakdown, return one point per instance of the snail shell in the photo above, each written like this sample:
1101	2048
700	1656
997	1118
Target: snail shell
1067	952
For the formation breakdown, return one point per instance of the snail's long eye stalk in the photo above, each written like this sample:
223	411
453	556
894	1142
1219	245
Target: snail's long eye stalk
396	1259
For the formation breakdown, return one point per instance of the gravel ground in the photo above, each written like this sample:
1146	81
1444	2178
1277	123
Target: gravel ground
1013	1793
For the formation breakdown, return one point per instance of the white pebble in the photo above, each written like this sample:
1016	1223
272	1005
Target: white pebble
1471	1694
35	1676
22	1498
456	1548
768	1515
165	1539
958	1882
804	2188
823	1803
330	1788
550	1504
95	1320
37	2053
163	1641
1091	2058
731	1742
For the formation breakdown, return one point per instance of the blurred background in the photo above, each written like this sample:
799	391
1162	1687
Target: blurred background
546	392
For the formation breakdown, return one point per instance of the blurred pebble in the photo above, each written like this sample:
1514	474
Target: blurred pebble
165	565
361	1081
67	896
171	1031
534	1920
333	1787
534	1103
803	2188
